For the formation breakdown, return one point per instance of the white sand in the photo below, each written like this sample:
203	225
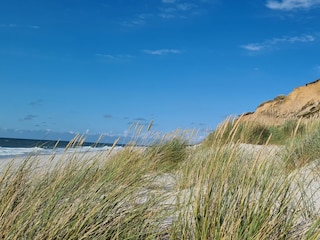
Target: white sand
49	160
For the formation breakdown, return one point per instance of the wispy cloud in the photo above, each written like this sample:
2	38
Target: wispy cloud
33	26
162	51
173	9
107	116
13	25
288	5
253	46
186	6
275	41
115	57
138	20
105	55
168	10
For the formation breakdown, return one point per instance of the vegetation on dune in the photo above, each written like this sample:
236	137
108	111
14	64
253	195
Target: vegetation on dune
88	199
168	155
257	133
304	149
169	190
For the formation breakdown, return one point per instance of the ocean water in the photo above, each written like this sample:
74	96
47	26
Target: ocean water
13	147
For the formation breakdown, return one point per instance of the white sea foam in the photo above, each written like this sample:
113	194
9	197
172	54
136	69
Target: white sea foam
6	152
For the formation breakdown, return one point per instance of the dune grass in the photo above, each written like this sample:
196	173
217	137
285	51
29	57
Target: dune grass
259	133
80	199
219	189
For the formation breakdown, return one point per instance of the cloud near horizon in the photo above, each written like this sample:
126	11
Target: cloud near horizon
275	41
289	5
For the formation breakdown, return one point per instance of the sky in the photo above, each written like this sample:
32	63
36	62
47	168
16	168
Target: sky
98	66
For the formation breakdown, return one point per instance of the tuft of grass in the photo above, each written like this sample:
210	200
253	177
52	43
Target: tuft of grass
235	196
257	133
235	130
304	150
168	155
88	198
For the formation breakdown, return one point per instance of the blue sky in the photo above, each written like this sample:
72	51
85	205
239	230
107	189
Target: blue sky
96	66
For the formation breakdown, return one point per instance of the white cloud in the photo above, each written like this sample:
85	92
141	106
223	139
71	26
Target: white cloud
292	4
34	26
138	20
186	6
168	10
253	47
105	55
162	51
133	23
178	10
305	38
275	41
115	58
167	16
13	25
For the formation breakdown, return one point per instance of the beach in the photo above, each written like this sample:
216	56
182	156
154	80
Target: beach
52	157
84	178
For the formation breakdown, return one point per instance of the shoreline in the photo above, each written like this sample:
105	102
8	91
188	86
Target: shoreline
49	159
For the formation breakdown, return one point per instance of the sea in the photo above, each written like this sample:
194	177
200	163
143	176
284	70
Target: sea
14	147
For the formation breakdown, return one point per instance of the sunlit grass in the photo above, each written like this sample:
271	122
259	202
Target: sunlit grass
220	189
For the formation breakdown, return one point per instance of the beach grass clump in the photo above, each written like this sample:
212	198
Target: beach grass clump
257	133
168	155
304	150
81	199
235	196
228	193
234	130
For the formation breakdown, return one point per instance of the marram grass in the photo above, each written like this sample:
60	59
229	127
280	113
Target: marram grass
220	189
